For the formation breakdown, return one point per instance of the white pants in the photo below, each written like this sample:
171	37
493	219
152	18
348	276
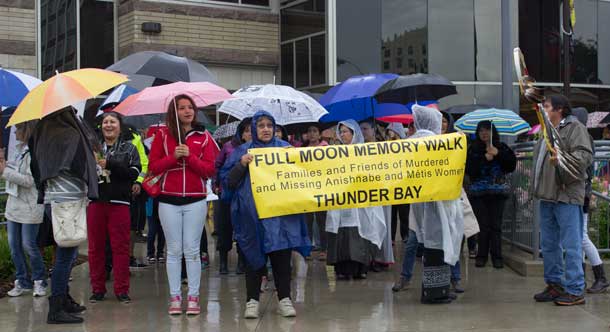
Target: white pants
587	246
182	226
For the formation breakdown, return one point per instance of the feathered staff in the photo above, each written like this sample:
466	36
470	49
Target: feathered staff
535	95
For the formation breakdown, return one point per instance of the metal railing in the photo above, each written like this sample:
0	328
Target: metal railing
521	224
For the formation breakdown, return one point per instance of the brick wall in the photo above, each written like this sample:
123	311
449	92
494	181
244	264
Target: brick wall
18	36
229	36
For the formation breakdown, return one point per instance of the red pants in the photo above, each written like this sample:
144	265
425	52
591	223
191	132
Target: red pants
113	221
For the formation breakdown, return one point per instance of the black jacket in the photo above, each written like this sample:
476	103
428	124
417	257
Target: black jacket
61	142
123	162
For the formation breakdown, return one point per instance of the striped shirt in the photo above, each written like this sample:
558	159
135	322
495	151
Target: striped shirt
64	188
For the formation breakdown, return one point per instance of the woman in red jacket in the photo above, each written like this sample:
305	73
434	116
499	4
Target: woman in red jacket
182	206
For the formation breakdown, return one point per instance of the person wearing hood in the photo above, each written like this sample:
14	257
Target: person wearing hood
353	232
601	283
438	225
184	153
64	169
108	217
222	211
488	163
258	239
448	123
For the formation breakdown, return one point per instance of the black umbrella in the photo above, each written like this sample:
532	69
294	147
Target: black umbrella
416	87
301	128
464	109
163	66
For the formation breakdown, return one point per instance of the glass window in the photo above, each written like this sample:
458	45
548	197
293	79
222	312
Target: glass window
303	19
404	24
488	41
399	62
248	2
97	34
302	62
303	33
584	42
386	65
318	60
58	31
358	38
603	42
256	2
539	38
399	51
387	53
451	42
287	71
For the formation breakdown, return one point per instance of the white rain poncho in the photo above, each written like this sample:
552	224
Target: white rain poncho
438	225
398	129
370	221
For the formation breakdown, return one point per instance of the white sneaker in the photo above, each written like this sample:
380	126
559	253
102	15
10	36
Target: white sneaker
251	309
39	288
18	290
286	309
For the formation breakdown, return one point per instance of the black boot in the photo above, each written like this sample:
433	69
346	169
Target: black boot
73	307
223	262
57	313
601	284
240	265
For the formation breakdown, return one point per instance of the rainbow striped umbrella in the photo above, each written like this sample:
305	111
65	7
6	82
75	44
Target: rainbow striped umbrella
506	122
63	90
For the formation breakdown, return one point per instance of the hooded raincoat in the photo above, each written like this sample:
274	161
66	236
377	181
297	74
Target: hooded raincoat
438	225
258	237
369	221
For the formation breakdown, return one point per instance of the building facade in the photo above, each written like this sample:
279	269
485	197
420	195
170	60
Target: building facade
313	44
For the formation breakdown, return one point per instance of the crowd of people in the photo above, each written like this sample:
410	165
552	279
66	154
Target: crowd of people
66	170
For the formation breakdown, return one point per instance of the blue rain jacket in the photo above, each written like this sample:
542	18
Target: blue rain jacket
258	237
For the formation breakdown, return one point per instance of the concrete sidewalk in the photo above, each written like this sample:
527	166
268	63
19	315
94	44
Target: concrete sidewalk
495	300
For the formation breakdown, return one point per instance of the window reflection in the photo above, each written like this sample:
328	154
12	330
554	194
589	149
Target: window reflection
404	26
58	31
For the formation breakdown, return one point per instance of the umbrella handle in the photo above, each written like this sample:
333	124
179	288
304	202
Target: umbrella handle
177	121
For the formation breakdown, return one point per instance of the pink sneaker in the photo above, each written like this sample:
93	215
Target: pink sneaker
175	305
193	306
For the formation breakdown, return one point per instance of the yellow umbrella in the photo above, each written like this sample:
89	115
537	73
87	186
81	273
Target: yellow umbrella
63	90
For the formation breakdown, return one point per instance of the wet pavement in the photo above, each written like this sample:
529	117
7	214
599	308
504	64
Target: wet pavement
495	300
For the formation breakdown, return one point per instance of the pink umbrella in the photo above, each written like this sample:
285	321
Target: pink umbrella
535	130
155	100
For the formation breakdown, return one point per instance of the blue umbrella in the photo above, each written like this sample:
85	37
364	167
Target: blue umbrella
117	95
506	122
353	99
14	86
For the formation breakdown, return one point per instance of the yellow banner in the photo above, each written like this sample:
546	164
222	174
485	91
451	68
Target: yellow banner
299	180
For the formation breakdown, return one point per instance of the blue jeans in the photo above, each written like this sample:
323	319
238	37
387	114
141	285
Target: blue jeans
561	229
23	237
408	261
183	225
456	274
155	232
410	253
64	258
